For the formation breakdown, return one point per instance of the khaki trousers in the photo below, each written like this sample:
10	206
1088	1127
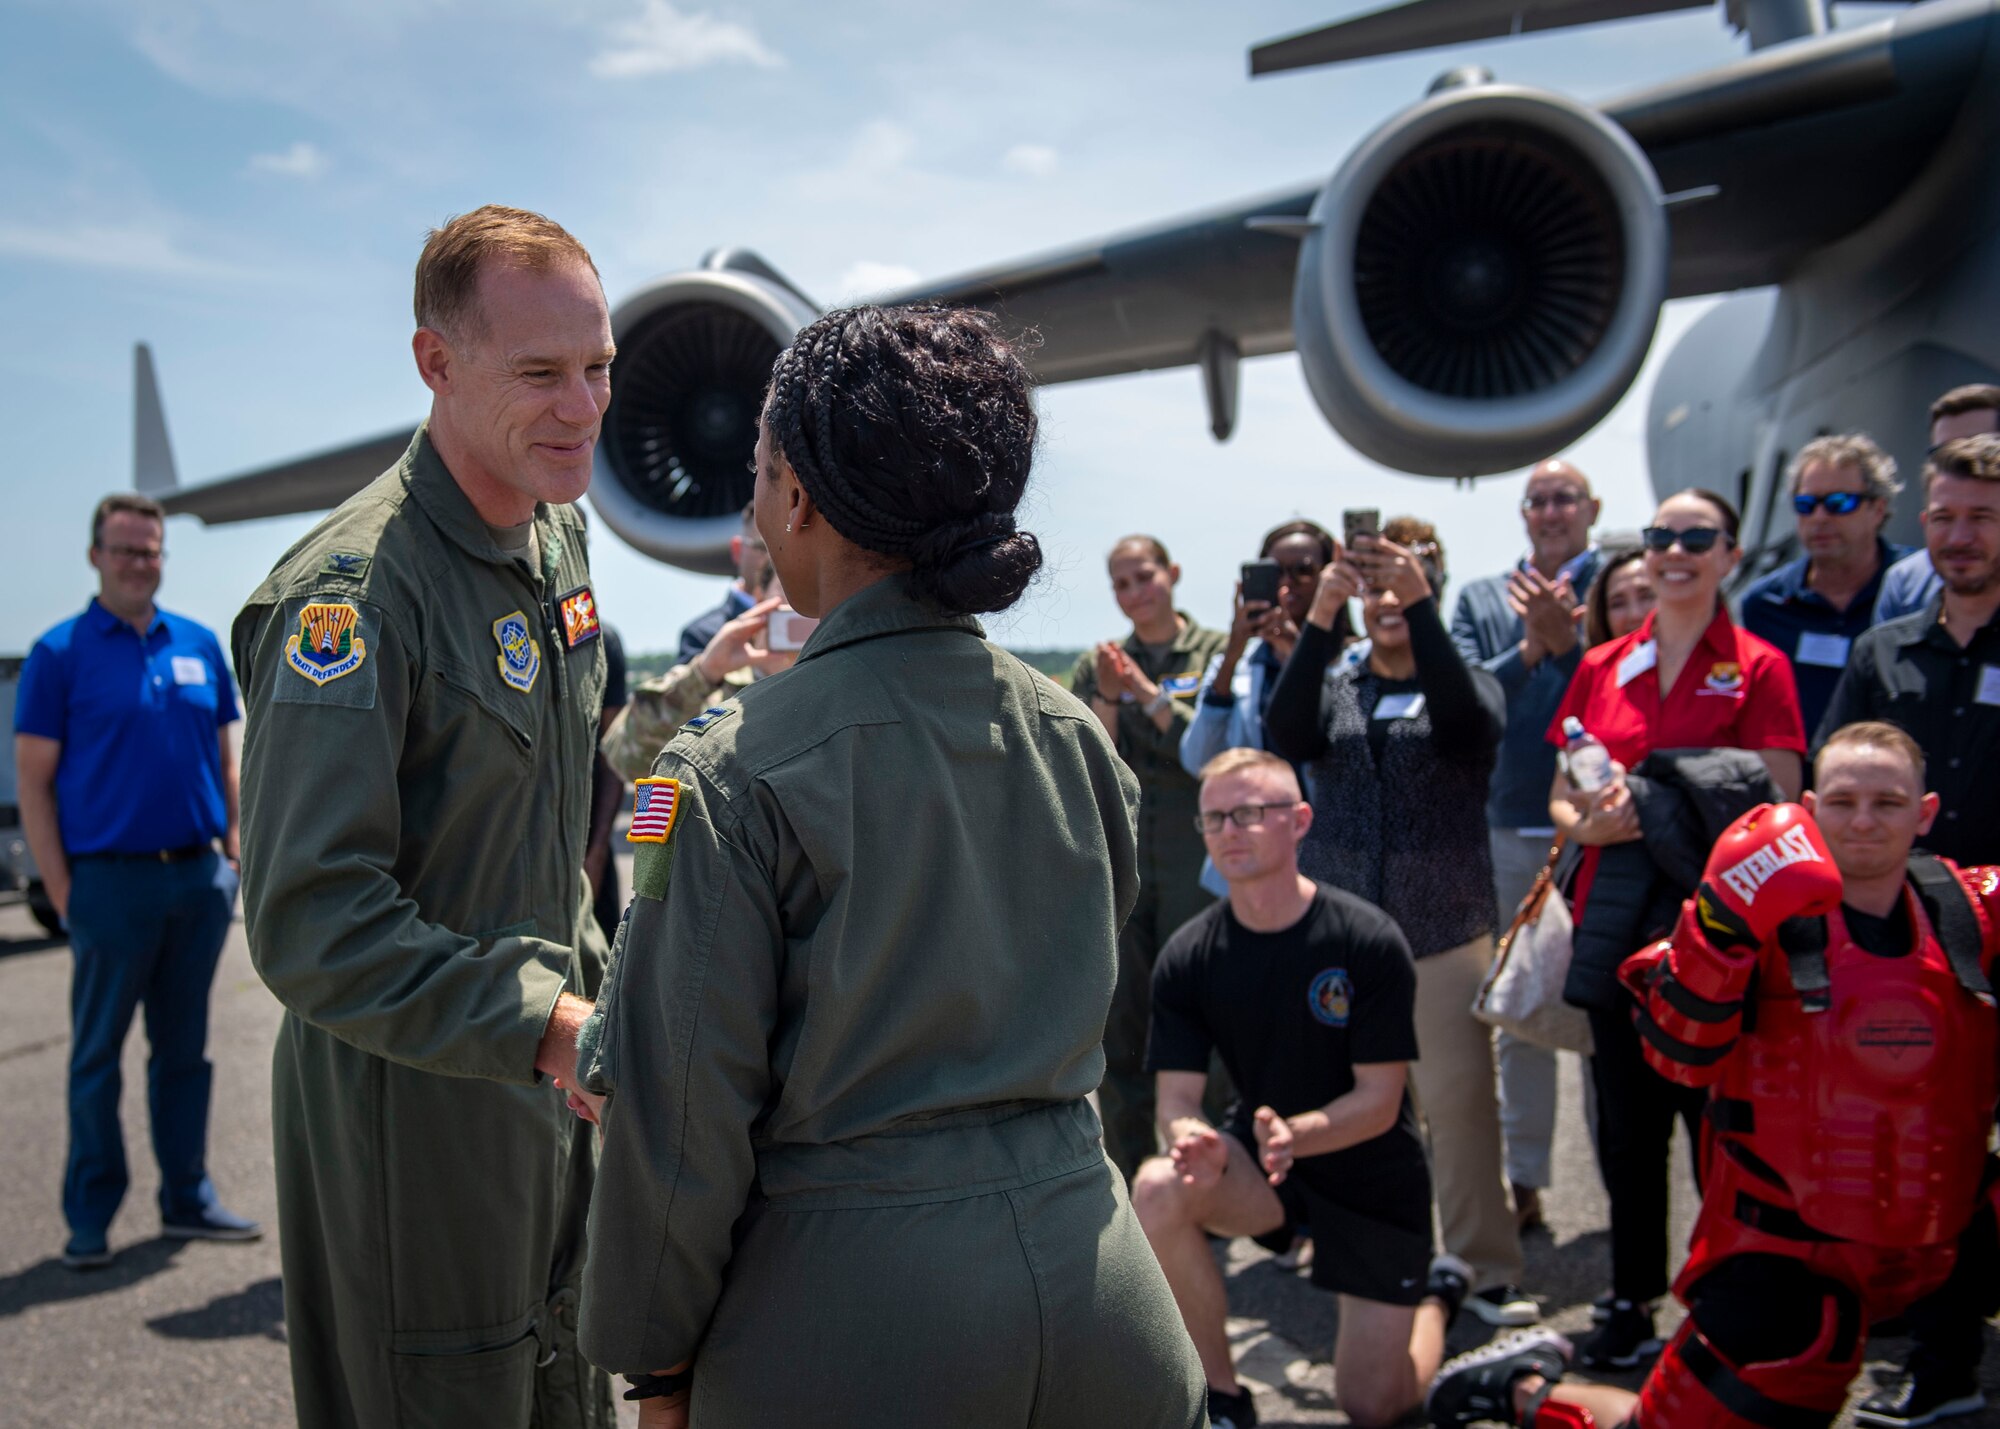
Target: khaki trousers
1454	1082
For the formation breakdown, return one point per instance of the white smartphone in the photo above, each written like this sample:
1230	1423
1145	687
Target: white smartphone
787	629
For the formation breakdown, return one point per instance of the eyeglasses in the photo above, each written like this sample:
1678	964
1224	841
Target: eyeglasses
1553	501
1244	816
1837	503
1696	540
155	554
1300	570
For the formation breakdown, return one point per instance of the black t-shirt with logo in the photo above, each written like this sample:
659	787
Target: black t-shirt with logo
1291	1013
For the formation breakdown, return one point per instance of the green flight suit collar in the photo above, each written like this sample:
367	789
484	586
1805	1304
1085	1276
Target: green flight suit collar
1185	638
430	482
889	607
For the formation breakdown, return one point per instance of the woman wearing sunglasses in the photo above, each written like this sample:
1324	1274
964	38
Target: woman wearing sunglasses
1688	678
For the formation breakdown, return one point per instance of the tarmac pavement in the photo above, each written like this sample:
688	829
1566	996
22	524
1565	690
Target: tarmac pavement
191	1335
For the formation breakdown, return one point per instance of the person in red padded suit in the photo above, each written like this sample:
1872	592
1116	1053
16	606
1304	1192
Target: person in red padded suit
1834	992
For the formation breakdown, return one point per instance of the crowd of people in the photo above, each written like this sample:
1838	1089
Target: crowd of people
901	907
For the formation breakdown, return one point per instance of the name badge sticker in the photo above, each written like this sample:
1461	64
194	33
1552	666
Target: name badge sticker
1643	658
1407	705
1816	647
1989	685
190	670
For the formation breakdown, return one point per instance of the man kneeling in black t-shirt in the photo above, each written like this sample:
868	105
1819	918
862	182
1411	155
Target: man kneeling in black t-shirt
1307	993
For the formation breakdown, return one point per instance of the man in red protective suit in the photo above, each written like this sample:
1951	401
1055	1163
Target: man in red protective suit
1835	993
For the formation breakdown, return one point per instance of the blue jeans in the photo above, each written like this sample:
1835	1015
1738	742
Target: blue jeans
142	933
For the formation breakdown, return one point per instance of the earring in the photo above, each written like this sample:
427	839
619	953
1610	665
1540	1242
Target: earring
788	528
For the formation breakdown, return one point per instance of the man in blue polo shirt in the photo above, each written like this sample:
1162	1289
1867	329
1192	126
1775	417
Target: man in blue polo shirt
1811	609
128	799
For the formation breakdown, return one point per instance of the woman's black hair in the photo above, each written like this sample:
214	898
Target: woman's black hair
1313	529
912	429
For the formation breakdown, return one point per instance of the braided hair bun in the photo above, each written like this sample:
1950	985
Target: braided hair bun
912	430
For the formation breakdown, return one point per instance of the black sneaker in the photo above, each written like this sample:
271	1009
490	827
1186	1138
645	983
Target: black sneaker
1450	1282
1504	1305
1231	1411
1622	1339
1600	1308
1479	1384
86	1252
1910	1400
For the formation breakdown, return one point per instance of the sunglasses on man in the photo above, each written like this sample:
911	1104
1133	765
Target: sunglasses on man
1837	503
1696	540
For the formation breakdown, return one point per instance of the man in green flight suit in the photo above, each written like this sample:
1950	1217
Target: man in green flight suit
423	674
1142	691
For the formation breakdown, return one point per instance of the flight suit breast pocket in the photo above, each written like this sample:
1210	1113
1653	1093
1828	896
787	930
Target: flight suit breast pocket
477	718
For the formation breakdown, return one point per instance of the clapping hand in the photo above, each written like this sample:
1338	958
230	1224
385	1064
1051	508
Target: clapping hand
1274	1144
1111	666
1199	1154
1548	610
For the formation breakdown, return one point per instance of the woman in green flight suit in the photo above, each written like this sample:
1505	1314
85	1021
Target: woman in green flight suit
849	1174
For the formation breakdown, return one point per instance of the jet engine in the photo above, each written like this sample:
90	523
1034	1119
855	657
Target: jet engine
694	354
1480	281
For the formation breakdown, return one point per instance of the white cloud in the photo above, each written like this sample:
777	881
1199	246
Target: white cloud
869	279
1035	160
301	161
150	251
879	152
663	38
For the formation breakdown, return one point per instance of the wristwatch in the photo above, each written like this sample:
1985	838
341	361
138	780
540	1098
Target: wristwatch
658	1386
1159	701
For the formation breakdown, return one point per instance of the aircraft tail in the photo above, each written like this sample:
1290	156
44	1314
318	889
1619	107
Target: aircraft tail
152	454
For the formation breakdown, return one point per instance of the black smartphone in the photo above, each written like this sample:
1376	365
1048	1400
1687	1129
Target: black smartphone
1260	582
1359	523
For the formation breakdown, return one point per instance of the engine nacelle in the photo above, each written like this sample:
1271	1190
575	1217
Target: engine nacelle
1482	281
694	355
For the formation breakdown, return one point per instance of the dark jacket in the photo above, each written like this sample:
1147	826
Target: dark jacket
1403	827
1685	798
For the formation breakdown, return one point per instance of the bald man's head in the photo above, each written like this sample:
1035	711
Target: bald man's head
1558	510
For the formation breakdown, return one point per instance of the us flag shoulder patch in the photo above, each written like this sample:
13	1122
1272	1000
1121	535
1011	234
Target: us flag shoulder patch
656	805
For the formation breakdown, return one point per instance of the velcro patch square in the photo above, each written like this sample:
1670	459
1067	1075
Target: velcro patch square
656	806
579	617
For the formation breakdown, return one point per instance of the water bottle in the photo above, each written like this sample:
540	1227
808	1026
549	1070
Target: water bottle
1585	758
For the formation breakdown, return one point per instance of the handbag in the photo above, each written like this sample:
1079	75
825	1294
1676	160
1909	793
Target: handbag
1521	993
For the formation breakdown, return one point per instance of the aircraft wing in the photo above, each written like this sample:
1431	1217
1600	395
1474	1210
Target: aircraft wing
1147	298
318	482
1426	24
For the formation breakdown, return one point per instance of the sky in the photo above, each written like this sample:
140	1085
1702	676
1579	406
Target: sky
246	186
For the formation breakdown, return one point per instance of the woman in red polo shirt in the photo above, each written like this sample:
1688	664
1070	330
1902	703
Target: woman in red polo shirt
1688	678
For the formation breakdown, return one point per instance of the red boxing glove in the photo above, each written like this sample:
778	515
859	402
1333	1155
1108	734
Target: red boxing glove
1768	866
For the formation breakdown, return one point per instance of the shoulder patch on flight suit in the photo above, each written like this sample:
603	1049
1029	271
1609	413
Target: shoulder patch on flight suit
326	655
707	719
345	563
520	657
656	802
1182	686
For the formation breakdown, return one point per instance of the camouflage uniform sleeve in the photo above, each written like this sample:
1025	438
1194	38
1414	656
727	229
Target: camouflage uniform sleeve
656	708
330	930
680	1044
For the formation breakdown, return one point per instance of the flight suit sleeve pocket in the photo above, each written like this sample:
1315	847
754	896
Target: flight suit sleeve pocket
495	1386
331	652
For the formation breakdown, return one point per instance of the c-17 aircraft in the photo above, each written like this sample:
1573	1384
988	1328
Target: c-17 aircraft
1473	289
